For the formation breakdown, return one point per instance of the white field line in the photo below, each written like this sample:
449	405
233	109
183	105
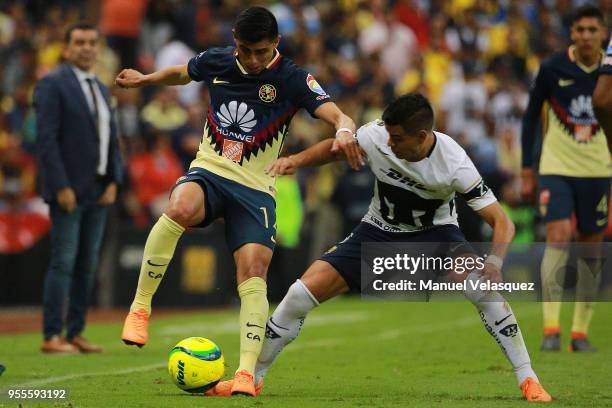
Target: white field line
209	329
323	320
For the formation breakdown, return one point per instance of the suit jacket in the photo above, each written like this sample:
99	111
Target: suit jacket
67	141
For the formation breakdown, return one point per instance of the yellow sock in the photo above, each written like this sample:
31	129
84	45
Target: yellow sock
253	316
552	274
551	312
587	286
158	252
583	311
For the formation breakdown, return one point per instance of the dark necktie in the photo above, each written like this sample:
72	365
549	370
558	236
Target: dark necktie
95	101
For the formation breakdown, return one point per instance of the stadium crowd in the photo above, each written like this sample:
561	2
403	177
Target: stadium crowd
473	58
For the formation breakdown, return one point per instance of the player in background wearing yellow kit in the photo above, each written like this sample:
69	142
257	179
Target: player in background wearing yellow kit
574	172
602	97
254	93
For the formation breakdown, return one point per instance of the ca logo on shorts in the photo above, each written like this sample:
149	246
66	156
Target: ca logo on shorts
267	93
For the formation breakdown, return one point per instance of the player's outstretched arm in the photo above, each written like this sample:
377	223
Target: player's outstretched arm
316	155
345	130
531	118
176	75
503	233
602	105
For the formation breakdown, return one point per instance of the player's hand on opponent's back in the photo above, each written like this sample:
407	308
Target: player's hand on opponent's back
283	166
129	78
346	142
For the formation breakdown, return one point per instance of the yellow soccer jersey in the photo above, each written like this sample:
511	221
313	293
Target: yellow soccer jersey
249	115
574	144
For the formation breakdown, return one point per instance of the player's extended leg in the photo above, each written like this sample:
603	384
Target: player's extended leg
319	283
501	323
186	208
252	261
554	263
587	285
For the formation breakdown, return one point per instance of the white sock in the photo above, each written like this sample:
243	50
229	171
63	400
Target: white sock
284	325
500	322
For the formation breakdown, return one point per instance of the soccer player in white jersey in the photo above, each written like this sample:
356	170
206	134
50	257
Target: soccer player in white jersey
418	172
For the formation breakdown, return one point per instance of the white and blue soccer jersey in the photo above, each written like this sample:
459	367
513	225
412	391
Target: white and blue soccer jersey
249	115
413	196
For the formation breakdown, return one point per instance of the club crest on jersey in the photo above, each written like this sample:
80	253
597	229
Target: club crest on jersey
233	150
314	85
240	115
267	93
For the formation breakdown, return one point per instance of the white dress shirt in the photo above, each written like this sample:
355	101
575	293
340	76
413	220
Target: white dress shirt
104	115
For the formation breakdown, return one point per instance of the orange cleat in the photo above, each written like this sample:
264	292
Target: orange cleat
534	391
224	389
135	331
221	389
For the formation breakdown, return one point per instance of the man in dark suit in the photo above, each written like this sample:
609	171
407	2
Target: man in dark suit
79	170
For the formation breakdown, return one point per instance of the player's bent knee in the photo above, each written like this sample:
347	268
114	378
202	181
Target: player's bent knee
255	269
182	213
559	232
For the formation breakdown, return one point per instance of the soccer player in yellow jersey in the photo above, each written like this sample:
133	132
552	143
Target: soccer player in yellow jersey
254	93
602	97
574	172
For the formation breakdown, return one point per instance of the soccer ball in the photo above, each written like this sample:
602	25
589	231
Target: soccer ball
196	364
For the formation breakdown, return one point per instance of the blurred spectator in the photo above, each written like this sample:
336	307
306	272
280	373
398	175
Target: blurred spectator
121	23
164	112
186	139
24	219
463	104
352	196
174	52
295	15
394	42
152	175
409	13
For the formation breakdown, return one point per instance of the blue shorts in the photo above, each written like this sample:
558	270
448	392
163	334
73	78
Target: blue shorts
345	256
249	214
560	196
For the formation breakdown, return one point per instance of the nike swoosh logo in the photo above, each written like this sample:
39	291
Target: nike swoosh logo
454	247
502	320
565	82
218	81
601	222
152	264
253	325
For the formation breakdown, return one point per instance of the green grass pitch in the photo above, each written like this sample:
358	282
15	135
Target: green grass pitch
351	353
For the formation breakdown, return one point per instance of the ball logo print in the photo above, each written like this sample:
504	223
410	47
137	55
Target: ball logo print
235	114
196	364
314	85
267	93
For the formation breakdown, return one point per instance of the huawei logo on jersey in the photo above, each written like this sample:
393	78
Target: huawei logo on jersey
239	115
580	107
